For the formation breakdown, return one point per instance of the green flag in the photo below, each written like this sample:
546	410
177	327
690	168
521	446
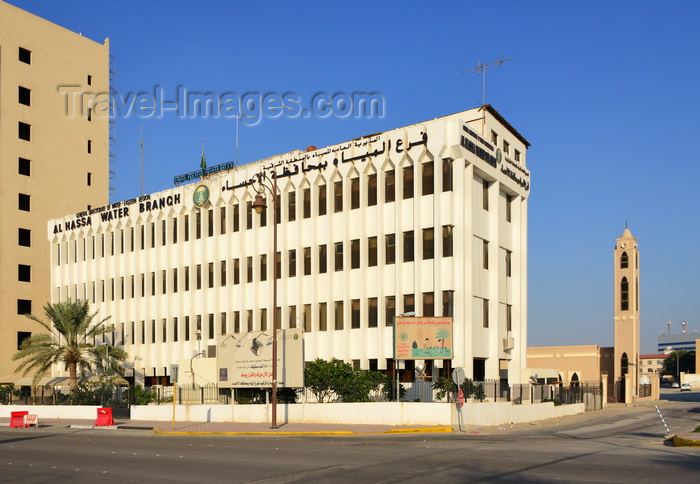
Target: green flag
203	165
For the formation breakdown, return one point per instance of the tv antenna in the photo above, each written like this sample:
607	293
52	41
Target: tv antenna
481	69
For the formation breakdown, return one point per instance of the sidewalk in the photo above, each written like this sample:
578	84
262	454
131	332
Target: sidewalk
235	428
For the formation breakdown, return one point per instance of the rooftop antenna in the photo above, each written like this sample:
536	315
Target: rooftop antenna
141	161
481	69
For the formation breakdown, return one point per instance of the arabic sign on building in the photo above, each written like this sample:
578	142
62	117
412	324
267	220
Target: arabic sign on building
245	360
423	338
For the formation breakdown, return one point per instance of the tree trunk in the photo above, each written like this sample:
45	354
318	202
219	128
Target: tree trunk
73	376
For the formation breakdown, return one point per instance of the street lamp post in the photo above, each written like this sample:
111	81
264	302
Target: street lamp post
269	183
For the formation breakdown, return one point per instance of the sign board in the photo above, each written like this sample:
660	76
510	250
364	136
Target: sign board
460	398
244	360
458	375
174	370
423	338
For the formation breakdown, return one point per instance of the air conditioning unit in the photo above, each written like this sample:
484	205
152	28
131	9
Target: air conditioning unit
508	344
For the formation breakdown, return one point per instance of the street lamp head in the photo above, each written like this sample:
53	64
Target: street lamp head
259	204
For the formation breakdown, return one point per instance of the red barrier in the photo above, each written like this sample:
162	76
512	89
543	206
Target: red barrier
17	419
104	417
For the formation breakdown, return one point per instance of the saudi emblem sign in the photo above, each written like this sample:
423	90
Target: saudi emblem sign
200	196
423	338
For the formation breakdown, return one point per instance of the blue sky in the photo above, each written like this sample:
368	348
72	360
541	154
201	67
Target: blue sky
606	92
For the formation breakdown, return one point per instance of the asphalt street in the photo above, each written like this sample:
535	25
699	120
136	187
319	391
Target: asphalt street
615	445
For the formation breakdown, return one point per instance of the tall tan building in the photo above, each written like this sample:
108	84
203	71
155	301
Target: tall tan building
51	161
627	307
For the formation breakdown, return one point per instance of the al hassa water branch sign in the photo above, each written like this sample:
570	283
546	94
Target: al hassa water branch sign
423	338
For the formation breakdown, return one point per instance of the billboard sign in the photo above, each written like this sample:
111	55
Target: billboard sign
427	338
244	360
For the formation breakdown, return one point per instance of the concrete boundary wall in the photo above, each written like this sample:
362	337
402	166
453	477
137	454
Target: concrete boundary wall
385	413
53	411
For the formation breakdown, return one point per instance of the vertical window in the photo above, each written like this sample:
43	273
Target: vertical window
338	256
292	317
447	175
164	281
263	267
428	244
163	233
390	310
222	270
278	265
355	254
354	193
338	196
322	259
278	209
89	114
447	240
263	319
428	304
153	283
24	306
307	318
236	322
175	329
307	202
508	261
372	312
187	328
186	228
292	206
89	179
249	215
322	203
624	295
25	55
24	131
174	280
409	303
292	263
323	317
355	314
249	320
485	254
143	284
24	167
624	261
485	312
211	275
198	225
485	195
89	80
408	246
339	315
187	278
509	203
89	146
236	271
372	190
494	138
307	261
153	330
389	186
447	303
24	273
372	252
199	276
236	218
222	220
24	237
174	232
249	270
390	249
211	332
164	325
506	147
509	317
24	203
407	182
517	155
428	179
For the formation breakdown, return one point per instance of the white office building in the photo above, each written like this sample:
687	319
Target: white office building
428	219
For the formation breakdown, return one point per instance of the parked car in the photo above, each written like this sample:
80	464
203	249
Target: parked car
685	387
675	384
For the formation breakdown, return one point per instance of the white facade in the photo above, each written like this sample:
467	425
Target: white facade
162	268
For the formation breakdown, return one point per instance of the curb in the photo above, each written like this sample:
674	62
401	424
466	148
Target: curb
686	440
444	429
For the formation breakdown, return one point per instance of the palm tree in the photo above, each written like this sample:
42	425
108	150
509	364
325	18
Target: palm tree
70	341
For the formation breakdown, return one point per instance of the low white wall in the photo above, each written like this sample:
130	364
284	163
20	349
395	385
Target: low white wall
385	413
53	411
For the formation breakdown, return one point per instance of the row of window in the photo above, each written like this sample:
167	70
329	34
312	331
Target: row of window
506	146
193	327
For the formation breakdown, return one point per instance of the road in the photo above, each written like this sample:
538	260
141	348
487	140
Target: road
614	445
